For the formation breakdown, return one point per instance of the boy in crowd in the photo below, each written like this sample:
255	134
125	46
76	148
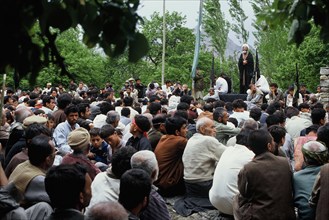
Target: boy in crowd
99	148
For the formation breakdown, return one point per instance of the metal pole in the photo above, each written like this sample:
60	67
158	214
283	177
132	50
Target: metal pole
163	42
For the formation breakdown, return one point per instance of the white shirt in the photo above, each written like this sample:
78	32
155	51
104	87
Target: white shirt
133	112
221	85
225	182
104	188
262	84
240	116
200	157
290	100
295	125
99	121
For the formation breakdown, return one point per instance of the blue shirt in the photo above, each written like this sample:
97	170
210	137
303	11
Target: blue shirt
60	135
303	185
101	153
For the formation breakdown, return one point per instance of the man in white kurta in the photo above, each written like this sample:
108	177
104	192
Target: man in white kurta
225	185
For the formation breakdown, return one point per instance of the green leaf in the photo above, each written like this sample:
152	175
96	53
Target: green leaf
138	47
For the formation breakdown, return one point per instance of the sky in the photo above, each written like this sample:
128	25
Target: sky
190	8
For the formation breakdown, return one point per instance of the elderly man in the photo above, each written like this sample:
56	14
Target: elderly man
200	156
156	208
212	94
16	129
223	131
107	210
254	97
315	155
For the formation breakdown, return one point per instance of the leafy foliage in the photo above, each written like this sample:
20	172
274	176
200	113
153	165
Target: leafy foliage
302	14
216	26
278	59
239	17
111	24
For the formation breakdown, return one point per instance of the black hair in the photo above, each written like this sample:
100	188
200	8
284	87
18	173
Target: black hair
255	113
239	103
94	132
47	99
242	137
164	101
35	129
128	101
311	128
143	123
264	106
174	124
208	107
121	160
125	112
154	107
323	134
135	185
39	149
183	106
281	116
63	100
105	107
71	109
106	130
317	115
187	99
233	121
303	105
274	85
82	108
258	141
158	120
219	103
181	113
64	183
154	98
291	111
229	106
317	105
272	120
278	132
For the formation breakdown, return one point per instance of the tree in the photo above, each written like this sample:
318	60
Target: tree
278	59
301	14
239	17
179	46
110	24
216	26
87	65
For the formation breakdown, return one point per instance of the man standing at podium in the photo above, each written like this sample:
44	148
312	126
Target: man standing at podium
246	68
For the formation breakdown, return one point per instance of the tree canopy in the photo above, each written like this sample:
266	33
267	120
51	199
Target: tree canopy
110	24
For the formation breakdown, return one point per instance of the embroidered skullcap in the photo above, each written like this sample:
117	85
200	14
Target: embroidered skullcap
315	151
